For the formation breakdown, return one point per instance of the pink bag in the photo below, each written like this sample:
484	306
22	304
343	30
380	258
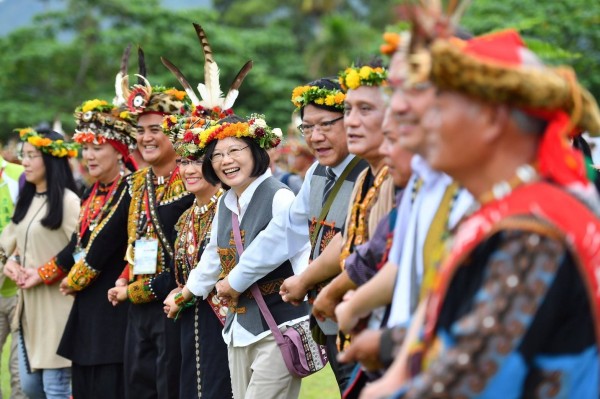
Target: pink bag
301	354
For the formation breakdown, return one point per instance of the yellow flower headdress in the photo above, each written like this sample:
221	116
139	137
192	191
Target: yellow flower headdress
354	77
98	121
56	148
304	95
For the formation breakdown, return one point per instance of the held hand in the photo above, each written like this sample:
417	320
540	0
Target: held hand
227	295
382	388
12	270
346	317
364	348
293	290
117	295
171	309
29	278
324	305
65	289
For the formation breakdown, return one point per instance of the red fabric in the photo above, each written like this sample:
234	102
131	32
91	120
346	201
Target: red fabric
120	147
581	229
500	47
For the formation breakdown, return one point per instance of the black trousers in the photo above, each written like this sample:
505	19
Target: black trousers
203	351
98	382
152	353
341	371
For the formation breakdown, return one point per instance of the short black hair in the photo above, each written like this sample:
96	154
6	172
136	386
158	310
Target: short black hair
330	83
259	155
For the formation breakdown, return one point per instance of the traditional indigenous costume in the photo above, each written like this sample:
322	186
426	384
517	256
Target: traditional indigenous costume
152	349
514	312
42	311
204	363
94	337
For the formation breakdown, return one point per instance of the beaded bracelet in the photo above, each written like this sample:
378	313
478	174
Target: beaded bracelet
179	299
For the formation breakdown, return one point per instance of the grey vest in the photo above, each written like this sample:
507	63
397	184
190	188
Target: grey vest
257	217
336	217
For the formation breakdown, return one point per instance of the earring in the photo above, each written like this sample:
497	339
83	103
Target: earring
121	167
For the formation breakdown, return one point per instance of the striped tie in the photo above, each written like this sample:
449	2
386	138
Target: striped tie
329	183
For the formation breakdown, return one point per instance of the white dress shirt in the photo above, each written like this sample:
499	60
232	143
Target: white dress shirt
203	278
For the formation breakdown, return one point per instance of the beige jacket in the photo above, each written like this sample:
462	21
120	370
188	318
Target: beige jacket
42	310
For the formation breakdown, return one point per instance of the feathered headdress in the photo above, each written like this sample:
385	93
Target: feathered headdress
143	97
211	97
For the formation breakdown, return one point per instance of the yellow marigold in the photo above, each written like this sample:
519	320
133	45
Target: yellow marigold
92	104
72	153
352	80
23	132
339	98
299	91
178	94
330	100
365	72
124	115
319	101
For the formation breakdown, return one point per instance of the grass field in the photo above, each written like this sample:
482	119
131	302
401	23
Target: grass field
321	385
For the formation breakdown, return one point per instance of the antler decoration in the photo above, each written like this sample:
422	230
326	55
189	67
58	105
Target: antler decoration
211	96
119	99
139	95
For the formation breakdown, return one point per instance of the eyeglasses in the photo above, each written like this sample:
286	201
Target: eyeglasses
325	126
185	162
30	156
232	152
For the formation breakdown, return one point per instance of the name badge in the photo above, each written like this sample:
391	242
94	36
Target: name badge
78	255
145	256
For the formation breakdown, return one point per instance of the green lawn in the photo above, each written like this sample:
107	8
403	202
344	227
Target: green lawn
318	386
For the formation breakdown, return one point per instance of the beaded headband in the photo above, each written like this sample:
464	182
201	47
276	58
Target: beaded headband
98	121
56	148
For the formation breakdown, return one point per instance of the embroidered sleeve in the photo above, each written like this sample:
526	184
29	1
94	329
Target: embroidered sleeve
484	342
81	275
51	272
140	291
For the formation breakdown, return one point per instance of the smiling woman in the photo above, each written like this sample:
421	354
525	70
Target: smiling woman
235	153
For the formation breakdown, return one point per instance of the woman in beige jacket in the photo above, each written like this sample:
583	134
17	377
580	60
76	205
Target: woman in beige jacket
45	217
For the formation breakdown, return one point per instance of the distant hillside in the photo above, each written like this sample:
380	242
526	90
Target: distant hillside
17	13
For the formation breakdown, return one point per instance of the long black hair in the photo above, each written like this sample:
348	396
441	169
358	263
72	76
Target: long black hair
58	178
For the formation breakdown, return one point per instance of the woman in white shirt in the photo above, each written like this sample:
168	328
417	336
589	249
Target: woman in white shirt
236	156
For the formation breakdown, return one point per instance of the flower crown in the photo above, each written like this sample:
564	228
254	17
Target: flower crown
354	77
193	141
98	121
304	95
56	148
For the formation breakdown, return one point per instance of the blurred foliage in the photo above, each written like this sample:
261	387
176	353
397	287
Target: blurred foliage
66	57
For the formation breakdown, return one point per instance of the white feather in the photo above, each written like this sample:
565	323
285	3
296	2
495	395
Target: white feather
203	90
230	99
213	85
192	96
119	98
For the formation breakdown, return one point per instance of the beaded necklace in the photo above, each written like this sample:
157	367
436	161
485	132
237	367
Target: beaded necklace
95	208
193	234
361	208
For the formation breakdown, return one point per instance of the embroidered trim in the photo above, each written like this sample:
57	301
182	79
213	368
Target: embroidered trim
140	291
50	272
81	275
